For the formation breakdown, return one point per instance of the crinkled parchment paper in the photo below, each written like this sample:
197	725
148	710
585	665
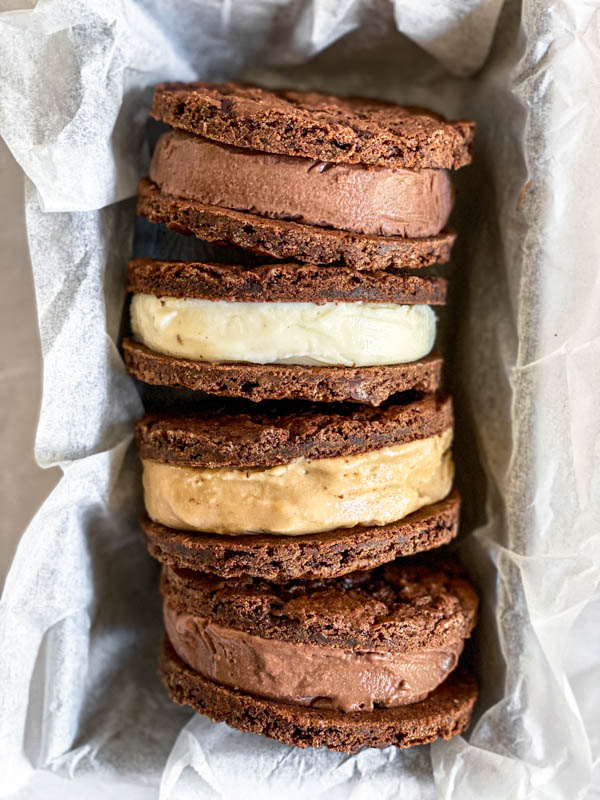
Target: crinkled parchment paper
79	619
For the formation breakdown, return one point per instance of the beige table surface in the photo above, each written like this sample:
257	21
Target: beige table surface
23	485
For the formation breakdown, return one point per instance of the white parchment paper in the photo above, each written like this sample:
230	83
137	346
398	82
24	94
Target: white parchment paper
79	618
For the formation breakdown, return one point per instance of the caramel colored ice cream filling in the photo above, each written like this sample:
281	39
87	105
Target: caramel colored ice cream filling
304	673
372	200
342	334
303	496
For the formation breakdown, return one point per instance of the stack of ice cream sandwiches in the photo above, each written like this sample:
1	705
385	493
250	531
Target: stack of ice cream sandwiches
293	506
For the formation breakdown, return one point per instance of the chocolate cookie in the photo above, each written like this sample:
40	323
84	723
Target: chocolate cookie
284	239
445	713
346	654
281	283
273	435
312	125
256	382
417	603
320	555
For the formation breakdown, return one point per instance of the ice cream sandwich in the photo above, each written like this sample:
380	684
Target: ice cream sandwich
369	659
285	330
299	490
305	176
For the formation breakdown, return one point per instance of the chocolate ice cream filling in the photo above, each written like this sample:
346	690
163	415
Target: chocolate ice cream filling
305	673
370	200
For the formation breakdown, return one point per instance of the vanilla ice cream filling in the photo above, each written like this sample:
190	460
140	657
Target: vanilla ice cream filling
344	334
303	496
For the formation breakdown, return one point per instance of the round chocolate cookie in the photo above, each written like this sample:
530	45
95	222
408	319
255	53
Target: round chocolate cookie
273	435
155	356
367	650
318	555
256	382
417	603
281	283
311	125
284	239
